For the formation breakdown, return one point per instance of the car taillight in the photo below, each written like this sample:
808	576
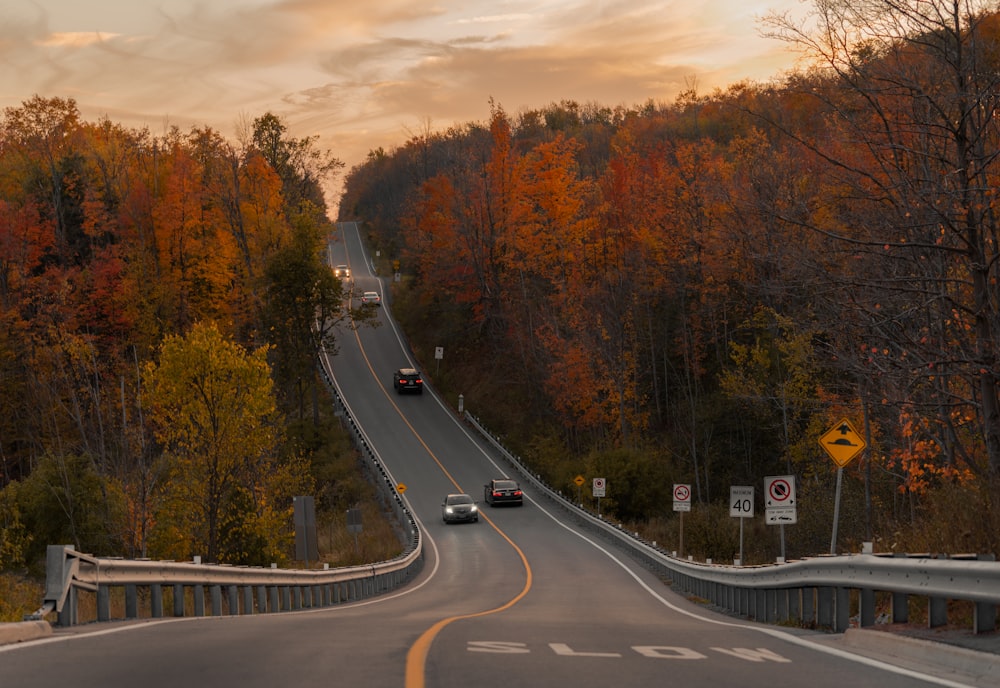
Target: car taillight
517	493
496	494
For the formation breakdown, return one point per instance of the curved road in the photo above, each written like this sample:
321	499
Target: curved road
518	599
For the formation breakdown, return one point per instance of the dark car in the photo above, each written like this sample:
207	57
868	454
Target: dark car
459	508
408	380
503	491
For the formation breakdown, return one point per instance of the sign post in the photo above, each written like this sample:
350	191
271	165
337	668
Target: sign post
600	488
741	507
579	480
306	537
682	503
779	503
842	443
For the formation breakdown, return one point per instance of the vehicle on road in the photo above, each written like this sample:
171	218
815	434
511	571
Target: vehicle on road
408	380
342	271
503	491
459	508
371	297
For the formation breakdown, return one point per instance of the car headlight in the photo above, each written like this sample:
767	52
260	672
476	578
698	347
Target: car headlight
447	510
475	509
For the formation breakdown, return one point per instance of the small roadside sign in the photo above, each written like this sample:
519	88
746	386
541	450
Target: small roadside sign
600	486
779	500
842	443
740	501
579	480
682	498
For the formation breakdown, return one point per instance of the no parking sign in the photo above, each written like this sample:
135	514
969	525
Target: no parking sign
600	487
682	498
779	499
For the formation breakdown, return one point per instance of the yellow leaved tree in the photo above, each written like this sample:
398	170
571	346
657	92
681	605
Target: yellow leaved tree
229	493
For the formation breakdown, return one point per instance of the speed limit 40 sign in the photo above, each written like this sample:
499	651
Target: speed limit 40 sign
741	501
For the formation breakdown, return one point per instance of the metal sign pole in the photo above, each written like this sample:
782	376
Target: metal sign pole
680	550
836	511
741	542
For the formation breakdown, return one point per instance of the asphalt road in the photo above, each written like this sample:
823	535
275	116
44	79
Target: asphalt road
519	598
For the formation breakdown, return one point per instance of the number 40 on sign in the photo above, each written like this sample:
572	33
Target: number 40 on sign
741	501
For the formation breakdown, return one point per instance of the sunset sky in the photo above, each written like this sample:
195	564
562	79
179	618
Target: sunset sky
366	74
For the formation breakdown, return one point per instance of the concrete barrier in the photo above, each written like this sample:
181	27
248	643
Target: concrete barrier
19	632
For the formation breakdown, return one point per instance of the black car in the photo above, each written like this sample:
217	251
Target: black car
457	508
408	380
503	491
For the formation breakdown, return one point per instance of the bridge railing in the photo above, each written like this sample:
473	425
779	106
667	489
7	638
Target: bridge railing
831	592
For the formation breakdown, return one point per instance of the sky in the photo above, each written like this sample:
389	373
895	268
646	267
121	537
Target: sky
364	74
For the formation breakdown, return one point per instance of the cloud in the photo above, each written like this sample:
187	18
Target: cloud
360	76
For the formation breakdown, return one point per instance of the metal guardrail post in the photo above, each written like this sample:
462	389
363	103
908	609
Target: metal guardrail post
216	591
808	615
68	615
984	614
131	601
103	603
199	600
866	607
842	606
156	601
178	599
781	605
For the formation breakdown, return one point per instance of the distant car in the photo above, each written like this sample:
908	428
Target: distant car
503	491
371	297
458	508
408	380
342	271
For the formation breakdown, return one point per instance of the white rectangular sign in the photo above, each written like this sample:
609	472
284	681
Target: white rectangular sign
682	498
600	487
741	501
779	500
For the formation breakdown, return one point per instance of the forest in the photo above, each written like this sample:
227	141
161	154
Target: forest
694	292
690	292
162	303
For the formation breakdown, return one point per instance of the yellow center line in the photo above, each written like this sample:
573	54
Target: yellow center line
416	658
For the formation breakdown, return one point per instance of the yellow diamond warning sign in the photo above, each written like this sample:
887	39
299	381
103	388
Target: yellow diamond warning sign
842	442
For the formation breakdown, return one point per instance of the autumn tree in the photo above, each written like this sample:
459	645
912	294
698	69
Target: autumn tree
910	199
212	404
302	167
41	146
303	309
194	249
